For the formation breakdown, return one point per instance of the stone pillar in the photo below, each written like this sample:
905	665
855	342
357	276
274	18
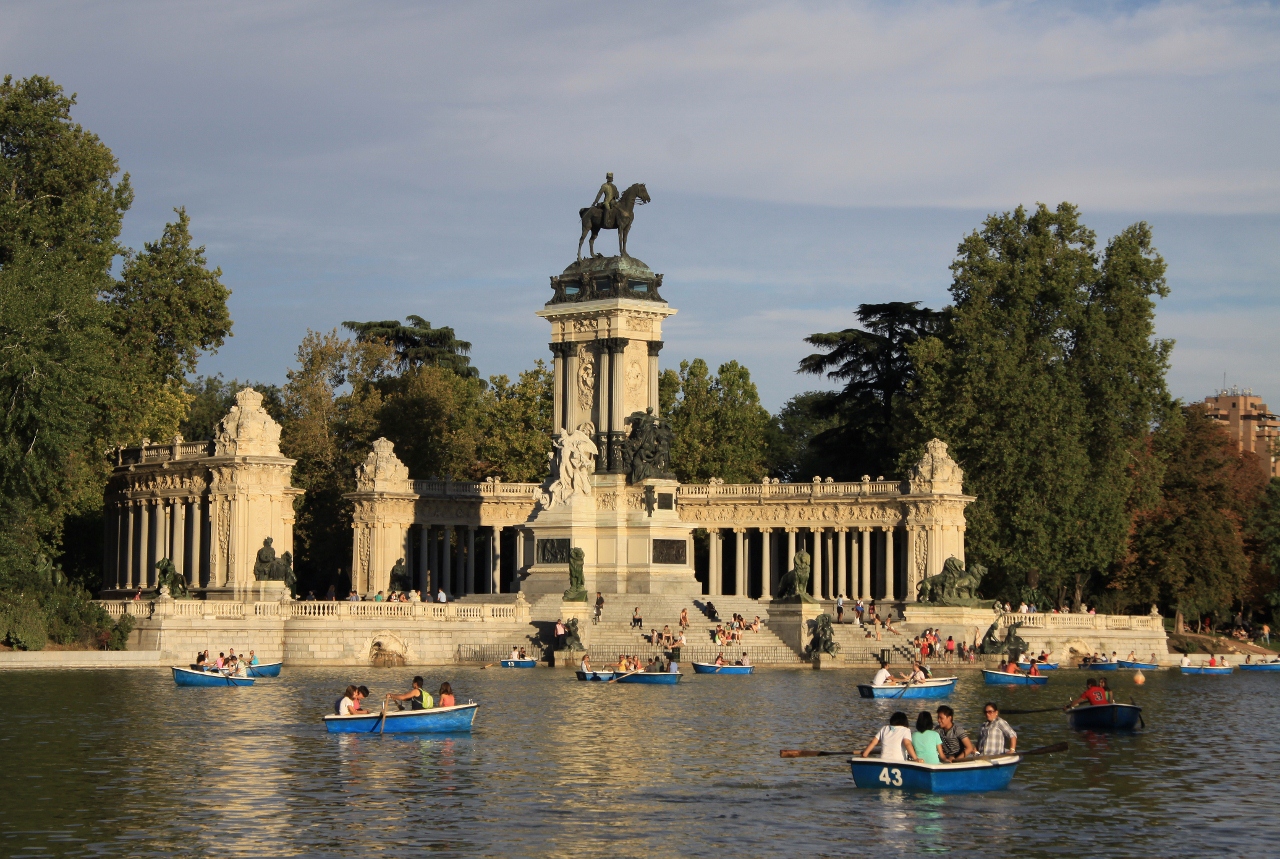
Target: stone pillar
910	595
791	549
571	419
180	539
864	565
715	585
842	563
194	576
446	560
888	563
495	560
816	561
519	557
602	406
655	346
144	543
740	562
557	400
128	545
459	562
768	580
424	560
471	560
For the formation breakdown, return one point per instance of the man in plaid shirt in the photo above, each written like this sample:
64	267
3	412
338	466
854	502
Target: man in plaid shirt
992	737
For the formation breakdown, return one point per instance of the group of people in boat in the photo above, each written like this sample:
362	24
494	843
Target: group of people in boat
1214	662
628	664
918	674
518	653
228	664
744	661
417	698
942	741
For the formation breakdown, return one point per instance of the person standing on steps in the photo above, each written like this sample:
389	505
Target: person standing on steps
560	633
840	608
599	607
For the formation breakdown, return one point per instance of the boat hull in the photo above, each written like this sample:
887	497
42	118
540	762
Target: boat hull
1101	666
964	777
999	678
1104	717
940	688
437	720
665	678
710	668
591	676
1205	669
266	669
519	663
1260	666
1043	666
187	677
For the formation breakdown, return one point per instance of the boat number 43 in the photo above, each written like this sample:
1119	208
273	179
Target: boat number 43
891	776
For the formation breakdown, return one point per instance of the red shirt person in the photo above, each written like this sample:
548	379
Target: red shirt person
1093	695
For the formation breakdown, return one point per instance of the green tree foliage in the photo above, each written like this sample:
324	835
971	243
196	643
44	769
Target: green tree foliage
211	397
792	454
417	344
1045	380
88	362
718	422
516	426
871	416
1190	550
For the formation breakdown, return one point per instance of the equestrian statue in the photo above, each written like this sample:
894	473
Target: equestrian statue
609	211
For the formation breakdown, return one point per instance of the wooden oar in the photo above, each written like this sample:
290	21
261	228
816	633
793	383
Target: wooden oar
490	665
382	722
905	687
628	674
1027	712
811	753
1044	750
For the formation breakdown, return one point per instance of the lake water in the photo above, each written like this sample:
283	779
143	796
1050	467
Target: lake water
115	763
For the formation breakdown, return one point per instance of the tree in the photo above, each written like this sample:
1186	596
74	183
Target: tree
211	397
418	344
870	412
1046	378
516	426
718	423
1189	550
792	453
434	416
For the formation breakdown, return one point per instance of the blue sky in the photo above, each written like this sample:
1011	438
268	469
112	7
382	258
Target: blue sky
353	161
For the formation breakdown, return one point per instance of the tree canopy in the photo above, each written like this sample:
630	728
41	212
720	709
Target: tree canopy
417	344
718	423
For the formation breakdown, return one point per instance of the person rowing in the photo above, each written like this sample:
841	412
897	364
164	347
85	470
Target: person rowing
894	740
1092	696
996	736
956	745
418	697
883	677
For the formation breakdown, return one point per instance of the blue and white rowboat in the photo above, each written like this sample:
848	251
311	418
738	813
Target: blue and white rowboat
1000	678
265	669
187	677
964	777
665	678
596	675
939	687
1104	717
1206	669
1259	666
1139	666
437	720
519	663
712	668
1043	666
1099	666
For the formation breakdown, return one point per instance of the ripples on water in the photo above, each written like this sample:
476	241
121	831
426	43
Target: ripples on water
116	763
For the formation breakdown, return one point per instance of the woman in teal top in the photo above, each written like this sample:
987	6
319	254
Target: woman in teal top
926	740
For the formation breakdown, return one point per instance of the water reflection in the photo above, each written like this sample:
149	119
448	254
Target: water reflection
126	763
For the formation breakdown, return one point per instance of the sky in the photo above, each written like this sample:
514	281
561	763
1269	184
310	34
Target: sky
348	161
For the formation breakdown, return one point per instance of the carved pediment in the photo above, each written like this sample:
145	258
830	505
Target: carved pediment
937	473
382	470
247	430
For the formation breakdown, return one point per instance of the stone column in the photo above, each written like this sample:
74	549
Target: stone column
446	560
495	559
740	562
180	539
816	570
842	563
888	562
144	543
864	565
460	562
124	575
655	346
791	549
424	559
194	577
602	406
571	419
557	400
910	595
714	587
768	583
519	557
471	560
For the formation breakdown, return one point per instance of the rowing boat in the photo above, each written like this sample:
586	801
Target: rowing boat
265	669
939	687
653	678
1259	666
596	675
519	663
187	677
1000	678
712	668
437	720
1043	666
964	777
1207	669
1104	717
1139	666
1099	666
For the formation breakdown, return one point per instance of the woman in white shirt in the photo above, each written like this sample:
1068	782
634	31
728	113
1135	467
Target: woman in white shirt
894	740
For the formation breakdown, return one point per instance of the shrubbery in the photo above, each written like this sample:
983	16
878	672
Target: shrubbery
63	614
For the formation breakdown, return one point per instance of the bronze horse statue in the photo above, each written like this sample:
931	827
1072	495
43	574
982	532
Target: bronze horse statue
620	218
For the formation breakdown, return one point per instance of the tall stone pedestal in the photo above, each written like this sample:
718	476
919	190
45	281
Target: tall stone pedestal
792	621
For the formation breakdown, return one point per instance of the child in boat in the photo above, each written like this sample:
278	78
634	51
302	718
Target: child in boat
446	695
925	740
894	740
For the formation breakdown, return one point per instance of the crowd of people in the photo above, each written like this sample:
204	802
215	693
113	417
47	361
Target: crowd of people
417	698
228	664
942	741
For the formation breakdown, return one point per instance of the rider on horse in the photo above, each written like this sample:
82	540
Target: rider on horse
608	195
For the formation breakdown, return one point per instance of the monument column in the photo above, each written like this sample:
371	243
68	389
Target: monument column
180	538
128	546
655	346
864	583
617	404
495	565
558	386
842	562
816	570
912	531
424	560
768	585
740	562
571	419
471	559
460	562
603	406
713	562
791	549
888	563
144	543
519	558
446	560
195	574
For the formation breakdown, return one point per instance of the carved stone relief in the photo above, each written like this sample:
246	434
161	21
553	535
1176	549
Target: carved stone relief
586	380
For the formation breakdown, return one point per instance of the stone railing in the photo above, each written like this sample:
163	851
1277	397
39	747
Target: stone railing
486	489
468	612
783	491
1042	620
164	452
